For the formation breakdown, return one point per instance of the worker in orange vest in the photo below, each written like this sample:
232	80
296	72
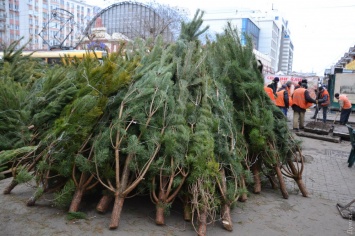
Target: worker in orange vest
323	103
345	108
270	93
282	99
301	101
288	88
271	88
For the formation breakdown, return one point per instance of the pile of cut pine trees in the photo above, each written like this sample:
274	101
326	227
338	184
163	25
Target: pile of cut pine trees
184	121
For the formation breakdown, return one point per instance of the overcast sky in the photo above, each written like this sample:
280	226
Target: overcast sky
321	31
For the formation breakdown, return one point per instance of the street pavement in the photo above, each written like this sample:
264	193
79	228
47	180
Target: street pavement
326	174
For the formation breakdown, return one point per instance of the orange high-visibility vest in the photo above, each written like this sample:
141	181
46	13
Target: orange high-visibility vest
325	92
270	93
346	102
289	96
280	101
299	98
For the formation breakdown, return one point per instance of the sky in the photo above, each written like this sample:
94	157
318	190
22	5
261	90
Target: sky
321	31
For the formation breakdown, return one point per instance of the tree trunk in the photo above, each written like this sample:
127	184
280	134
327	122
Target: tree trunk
256	174
298	178
187	209
226	217
159	217
202	222
116	211
244	196
75	203
10	187
104	203
273	181
225	211
281	181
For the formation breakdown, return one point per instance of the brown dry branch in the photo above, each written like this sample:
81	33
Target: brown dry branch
277	168
295	171
226	204
85	182
166	192
124	182
202	203
26	162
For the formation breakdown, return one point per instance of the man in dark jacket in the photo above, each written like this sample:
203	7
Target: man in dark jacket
273	85
301	101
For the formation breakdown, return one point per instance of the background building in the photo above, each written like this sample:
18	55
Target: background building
33	20
269	32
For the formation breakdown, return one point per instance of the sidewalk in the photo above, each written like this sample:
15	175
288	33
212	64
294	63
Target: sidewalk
326	175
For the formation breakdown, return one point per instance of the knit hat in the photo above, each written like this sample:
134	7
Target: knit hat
276	79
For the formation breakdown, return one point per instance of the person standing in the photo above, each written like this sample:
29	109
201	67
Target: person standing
323	103
304	81
344	107
273	85
282	99
270	93
270	89
301	101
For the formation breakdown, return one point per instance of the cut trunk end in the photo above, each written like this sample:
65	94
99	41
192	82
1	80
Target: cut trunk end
75	203
116	212
187	209
104	203
281	181
11	186
226	218
256	175
302	187
202	223
244	195
159	217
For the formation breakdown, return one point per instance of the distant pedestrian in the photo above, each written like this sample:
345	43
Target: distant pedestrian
323	99
282	99
344	107
301	101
